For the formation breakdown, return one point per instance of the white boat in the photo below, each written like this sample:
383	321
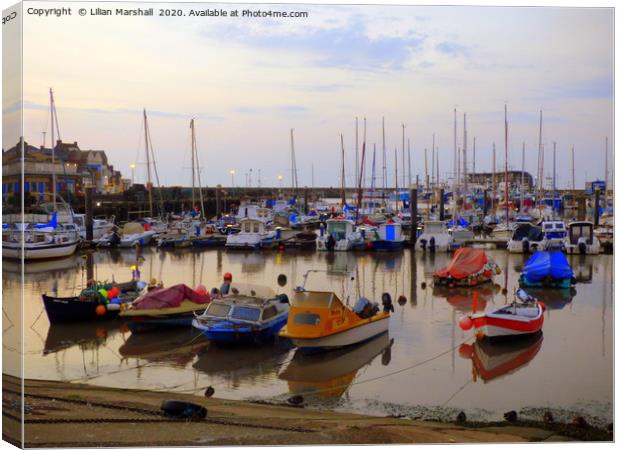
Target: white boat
503	231
339	235
132	234
251	211
581	239
435	237
101	227
39	244
555	234
526	238
253	235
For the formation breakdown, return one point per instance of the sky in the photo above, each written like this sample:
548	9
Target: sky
249	81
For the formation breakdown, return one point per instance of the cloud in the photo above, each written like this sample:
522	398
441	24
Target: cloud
347	46
28	105
282	109
452	48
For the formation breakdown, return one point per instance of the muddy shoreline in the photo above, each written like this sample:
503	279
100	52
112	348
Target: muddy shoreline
62	414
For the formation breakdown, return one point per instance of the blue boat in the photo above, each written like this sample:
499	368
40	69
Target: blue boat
243	319
389	237
547	269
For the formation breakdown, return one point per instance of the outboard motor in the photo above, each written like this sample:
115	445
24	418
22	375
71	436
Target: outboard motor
283	298
526	245
431	244
582	247
330	244
386	299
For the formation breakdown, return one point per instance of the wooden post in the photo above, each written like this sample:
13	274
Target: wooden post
413	206
218	196
485	204
597	198
581	207
441	204
306	200
89	214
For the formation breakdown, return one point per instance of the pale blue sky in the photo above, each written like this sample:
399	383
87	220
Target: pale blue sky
248	81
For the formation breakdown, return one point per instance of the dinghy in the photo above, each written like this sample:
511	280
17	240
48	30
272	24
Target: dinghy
319	320
547	269
519	318
468	267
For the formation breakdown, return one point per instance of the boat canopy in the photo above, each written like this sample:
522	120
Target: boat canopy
577	230
461	222
466	261
529	232
133	228
545	264
170	297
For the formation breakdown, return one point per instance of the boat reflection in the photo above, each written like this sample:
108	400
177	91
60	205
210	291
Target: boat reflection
462	298
553	298
494	360
250	262
237	364
582	266
339	262
328	375
167	347
42	270
387	262
85	335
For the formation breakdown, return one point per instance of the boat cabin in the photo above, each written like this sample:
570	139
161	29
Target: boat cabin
391	231
435	227
251	226
314	313
339	228
529	232
577	230
555	229
241	308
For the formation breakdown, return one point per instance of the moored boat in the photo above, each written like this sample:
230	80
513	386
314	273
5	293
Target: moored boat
319	320
519	318
339	235
468	267
243	319
581	239
389	237
547	269
435	237
526	238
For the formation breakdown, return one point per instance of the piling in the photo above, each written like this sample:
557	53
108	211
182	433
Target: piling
90	266
597	197
218	204
442	206
306	200
413	203
485	204
581	207
89	214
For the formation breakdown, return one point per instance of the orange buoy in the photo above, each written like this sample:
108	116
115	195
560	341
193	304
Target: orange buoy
100	310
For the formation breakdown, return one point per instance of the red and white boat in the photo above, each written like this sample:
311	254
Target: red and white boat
519	318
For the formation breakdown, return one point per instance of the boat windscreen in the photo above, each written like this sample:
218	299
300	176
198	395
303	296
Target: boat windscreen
314	299
245	313
218	310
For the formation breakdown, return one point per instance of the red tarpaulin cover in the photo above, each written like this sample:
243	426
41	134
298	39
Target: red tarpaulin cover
170	297
466	261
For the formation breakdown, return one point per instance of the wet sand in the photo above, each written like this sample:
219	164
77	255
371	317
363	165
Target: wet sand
60	414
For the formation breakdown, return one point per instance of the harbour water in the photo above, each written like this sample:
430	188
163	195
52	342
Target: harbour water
427	367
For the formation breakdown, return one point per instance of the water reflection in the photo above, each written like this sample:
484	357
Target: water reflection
491	360
87	336
553	298
174	347
329	375
462	298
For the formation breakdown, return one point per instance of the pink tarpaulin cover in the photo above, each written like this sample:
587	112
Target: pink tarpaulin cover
466	261
170	297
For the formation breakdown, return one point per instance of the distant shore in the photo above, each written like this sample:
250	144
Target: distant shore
60	414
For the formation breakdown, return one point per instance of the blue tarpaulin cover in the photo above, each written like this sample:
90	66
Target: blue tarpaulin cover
544	264
462	222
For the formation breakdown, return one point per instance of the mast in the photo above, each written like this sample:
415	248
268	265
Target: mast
372	177
425	168
506	162
474	158
343	198
493	183
384	174
433	181
437	166
403	154
540	160
522	188
195	151
363	172
554	183
465	152
357	163
294	182
149	184
360	184
456	171
191	126
606	173
573	158
396	175
408	162
53	148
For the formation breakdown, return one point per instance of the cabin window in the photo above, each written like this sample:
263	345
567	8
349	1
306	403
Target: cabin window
245	313
308	319
256	228
269	312
218	310
247	227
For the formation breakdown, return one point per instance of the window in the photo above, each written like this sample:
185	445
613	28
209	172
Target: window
218	310
269	312
247	227
245	313
307	319
256	228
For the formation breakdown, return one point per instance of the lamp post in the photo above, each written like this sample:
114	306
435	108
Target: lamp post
133	168
232	177
280	177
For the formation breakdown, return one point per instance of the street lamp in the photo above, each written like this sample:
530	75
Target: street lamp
133	167
280	178
232	177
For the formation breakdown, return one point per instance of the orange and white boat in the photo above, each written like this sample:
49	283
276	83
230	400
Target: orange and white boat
319	320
